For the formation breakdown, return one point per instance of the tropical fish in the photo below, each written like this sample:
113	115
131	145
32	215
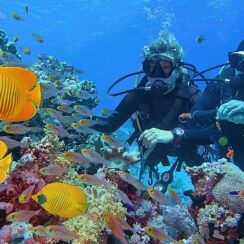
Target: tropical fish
12	144
92	156
53	170
230	153
25	196
74	157
87	122
39	230
116	225
237	193
22	215
158	196
15	38
5	161
63	200
60	232
65	108
37	37
82	129
200	39
174	196
8	207
21	94
113	141
26	50
60	131
60	101
106	111
157	234
16	16
27	10
91	180
69	121
18	129
131	180
49	89
83	110
57	114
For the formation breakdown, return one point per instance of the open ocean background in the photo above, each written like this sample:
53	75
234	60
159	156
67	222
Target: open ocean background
105	38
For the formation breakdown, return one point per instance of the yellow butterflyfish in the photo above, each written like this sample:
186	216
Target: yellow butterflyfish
63	200
20	94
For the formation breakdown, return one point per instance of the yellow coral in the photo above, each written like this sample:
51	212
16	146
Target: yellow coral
102	199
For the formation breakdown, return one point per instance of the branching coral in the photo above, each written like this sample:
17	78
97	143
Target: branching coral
101	200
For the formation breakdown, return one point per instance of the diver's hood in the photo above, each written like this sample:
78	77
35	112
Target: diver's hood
163	86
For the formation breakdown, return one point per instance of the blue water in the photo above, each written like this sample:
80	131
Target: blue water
105	38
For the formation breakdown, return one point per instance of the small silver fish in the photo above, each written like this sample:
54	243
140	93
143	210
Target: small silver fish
61	132
18	129
92	156
53	170
49	89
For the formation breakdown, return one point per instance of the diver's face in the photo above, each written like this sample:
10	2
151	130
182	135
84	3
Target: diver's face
165	65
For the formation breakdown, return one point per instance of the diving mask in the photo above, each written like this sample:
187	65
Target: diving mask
159	66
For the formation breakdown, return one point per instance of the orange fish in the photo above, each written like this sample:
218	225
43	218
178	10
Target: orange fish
92	156
230	153
131	180
158	196
5	162
92	180
113	141
20	94
174	196
116	224
74	157
158	234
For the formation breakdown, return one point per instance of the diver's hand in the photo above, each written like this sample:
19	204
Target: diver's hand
237	118
230	108
153	136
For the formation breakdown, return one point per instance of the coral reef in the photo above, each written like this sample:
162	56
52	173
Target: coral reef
219	215
6	45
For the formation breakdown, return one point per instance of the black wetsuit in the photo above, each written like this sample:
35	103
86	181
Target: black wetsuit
154	112
204	113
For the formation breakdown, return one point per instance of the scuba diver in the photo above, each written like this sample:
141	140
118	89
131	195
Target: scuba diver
164	93
218	116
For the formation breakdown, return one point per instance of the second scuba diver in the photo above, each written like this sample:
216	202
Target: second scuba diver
164	93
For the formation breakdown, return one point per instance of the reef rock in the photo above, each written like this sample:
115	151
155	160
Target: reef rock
233	180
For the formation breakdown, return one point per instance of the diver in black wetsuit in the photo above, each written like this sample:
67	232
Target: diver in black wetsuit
171	94
218	116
